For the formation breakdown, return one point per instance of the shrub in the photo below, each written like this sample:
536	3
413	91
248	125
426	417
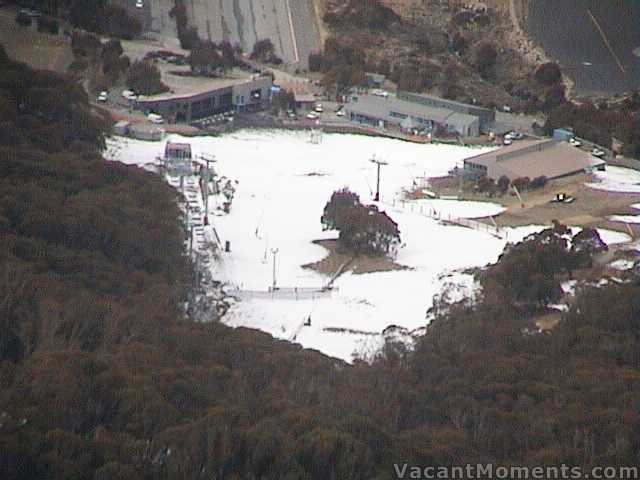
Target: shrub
85	44
264	51
503	184
485	58
486	184
538	182
144	78
521	183
206	58
548	74
585	244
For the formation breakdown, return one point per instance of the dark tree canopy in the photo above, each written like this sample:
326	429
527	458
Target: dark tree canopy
264	51
548	73
485	58
144	78
363	229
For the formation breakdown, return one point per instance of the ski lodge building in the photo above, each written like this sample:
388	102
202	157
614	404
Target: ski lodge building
532	158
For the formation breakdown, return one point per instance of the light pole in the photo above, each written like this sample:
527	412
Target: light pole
378	163
274	251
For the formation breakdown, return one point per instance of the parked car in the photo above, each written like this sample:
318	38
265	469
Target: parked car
103	96
312	116
516	135
128	94
340	113
139	4
596	152
155	118
507	141
318	108
575	142
380	93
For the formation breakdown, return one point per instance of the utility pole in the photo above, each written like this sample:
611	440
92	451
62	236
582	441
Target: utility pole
378	163
274	251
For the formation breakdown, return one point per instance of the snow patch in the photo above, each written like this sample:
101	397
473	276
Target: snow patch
617	179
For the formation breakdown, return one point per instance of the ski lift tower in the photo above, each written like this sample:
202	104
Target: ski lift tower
206	173
378	163
316	136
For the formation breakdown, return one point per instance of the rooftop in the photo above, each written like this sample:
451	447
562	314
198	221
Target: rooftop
380	107
304	98
438	99
182	85
535	158
178	146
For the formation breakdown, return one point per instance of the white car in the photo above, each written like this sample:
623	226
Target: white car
103	96
340	113
312	116
507	141
128	94
380	93
516	135
139	4
155	118
596	152
318	108
575	142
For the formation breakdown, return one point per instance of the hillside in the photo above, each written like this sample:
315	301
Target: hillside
473	52
103	376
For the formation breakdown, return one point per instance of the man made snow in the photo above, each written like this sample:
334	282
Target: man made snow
625	218
610	237
283	184
569	286
617	179
622	264
451	208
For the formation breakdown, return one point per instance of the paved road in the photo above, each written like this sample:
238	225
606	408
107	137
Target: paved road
290	24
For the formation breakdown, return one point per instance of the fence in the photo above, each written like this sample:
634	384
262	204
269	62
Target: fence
431	212
295	293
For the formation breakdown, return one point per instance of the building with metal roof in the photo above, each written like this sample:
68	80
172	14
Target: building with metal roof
390	111
486	116
210	98
532	158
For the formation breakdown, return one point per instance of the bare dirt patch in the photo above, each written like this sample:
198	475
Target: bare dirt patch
339	258
591	207
547	321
